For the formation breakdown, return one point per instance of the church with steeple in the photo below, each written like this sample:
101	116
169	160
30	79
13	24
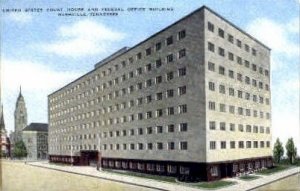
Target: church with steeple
20	117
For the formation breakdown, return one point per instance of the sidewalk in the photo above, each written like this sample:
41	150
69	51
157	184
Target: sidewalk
159	185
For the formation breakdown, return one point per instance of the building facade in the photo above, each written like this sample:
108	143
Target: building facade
191	100
4	140
35	137
20	117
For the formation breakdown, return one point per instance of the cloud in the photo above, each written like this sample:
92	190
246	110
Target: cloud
83	38
276	35
20	17
37	80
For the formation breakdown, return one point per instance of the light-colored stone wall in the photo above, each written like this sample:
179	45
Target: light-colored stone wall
262	59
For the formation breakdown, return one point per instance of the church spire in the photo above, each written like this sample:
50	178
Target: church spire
2	124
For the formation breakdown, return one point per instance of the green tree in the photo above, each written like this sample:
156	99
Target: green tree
291	150
19	150
278	151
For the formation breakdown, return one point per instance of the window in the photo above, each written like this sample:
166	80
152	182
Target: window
221	33
211	66
210	26
158	63
139	55
181	34
222	107
130	74
158	79
211	47
159	146
222	126
170	58
253	52
170	111
139	86
262	144
148	83
131	132
231	91
232	144
248	128
231	109
148	51
141	146
182	90
131	146
248	144
158	46
239	77
211	86
240	94
159	96
149	130
170	128
240	111
255	144
230	56
222	89
181	71
232	127
254	67
159	113
238	43
139	71
170	40
171	145
212	125
150	146
139	101
183	127
266	72
241	144
223	144
170	93
247	47
181	53
170	76
123	64
230	38
183	145
182	109
140	116
254	83
149	114
148	67
261	129
211	105
212	145
241	128
221	70
221	51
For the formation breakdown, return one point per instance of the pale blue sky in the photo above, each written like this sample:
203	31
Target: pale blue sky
42	51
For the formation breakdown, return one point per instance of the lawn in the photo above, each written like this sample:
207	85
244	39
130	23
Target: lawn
276	168
248	177
214	184
142	175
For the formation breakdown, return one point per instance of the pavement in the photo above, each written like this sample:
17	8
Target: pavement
241	185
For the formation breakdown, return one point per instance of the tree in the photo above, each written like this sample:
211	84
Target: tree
291	150
278	151
19	150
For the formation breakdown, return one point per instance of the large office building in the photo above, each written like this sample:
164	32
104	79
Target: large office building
190	100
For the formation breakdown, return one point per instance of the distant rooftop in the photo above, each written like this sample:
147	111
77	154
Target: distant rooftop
36	127
111	57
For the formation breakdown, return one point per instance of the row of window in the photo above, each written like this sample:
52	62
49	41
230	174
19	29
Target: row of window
170	93
241	127
239	77
122	92
239	144
240	93
230	38
240	110
158	46
182	145
169	111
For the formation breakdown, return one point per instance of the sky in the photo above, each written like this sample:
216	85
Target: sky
42	51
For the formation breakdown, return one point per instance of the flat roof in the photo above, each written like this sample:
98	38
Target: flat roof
113	56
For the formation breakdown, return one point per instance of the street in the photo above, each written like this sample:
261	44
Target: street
16	176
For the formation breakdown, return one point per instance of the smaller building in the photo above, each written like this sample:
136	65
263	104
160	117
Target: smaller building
35	137
4	140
